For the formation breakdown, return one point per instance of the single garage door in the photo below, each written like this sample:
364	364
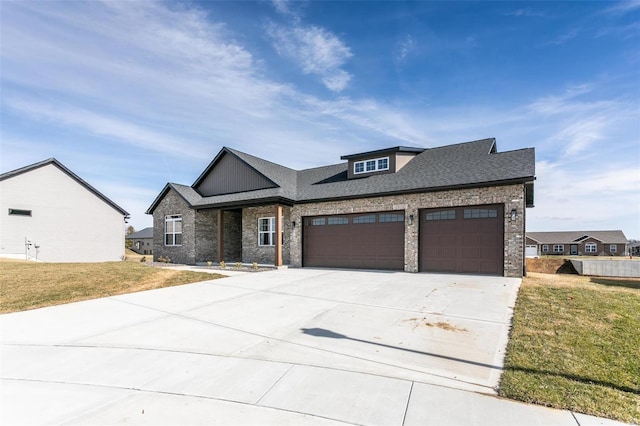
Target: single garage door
462	239
359	241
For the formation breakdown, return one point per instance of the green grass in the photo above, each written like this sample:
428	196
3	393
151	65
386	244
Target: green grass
29	285
575	344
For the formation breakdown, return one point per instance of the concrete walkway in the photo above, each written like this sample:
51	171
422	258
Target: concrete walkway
296	346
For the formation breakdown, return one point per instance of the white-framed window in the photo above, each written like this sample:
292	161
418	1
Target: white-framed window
267	231
558	248
373	165
613	248
545	248
173	230
591	247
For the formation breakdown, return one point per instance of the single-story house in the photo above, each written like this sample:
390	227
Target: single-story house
48	213
456	208
141	241
576	243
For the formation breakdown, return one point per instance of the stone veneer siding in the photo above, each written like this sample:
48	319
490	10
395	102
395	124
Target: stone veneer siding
206	235
199	233
251	251
172	204
511	196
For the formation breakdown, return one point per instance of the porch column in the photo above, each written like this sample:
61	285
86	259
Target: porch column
278	260
220	235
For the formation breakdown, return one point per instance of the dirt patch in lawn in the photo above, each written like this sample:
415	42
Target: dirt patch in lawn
551	265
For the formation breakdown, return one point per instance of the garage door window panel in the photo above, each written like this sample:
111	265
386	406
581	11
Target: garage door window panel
480	213
370	218
390	217
337	220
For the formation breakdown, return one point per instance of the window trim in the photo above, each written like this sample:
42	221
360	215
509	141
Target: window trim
172	218
376	165
589	245
545	248
613	248
558	248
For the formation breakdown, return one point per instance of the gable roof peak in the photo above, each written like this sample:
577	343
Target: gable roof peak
73	176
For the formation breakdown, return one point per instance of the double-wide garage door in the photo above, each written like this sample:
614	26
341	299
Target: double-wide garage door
361	241
458	240
462	239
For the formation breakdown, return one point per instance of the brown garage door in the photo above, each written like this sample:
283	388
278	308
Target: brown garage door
462	239
359	241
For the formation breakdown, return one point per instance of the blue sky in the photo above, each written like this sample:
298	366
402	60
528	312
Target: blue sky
132	94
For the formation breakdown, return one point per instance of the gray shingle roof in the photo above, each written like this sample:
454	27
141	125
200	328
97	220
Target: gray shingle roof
453	166
59	165
568	237
143	233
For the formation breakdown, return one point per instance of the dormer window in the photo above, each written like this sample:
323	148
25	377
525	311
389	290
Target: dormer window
368	166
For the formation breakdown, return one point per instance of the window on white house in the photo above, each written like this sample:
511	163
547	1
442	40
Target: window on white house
173	230
267	231
558	248
19	212
591	247
368	166
545	248
613	248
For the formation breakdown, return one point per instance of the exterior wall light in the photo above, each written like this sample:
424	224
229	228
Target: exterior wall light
514	214
293	224
410	219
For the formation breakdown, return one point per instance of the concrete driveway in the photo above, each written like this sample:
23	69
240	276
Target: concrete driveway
292	346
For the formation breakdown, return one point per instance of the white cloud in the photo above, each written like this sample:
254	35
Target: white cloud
166	87
585	195
315	50
527	11
404	48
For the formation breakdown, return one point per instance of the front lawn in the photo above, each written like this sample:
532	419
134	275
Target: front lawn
29	285
575	345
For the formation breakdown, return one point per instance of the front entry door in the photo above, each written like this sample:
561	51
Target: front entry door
573	249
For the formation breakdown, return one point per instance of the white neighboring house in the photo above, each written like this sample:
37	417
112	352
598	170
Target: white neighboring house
48	213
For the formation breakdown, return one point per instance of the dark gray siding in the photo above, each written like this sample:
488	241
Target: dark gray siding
230	175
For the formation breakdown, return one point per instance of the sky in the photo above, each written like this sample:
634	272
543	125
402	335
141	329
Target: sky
131	95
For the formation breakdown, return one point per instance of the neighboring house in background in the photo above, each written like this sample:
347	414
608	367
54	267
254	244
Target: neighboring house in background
576	243
456	208
634	248
49	213
142	241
